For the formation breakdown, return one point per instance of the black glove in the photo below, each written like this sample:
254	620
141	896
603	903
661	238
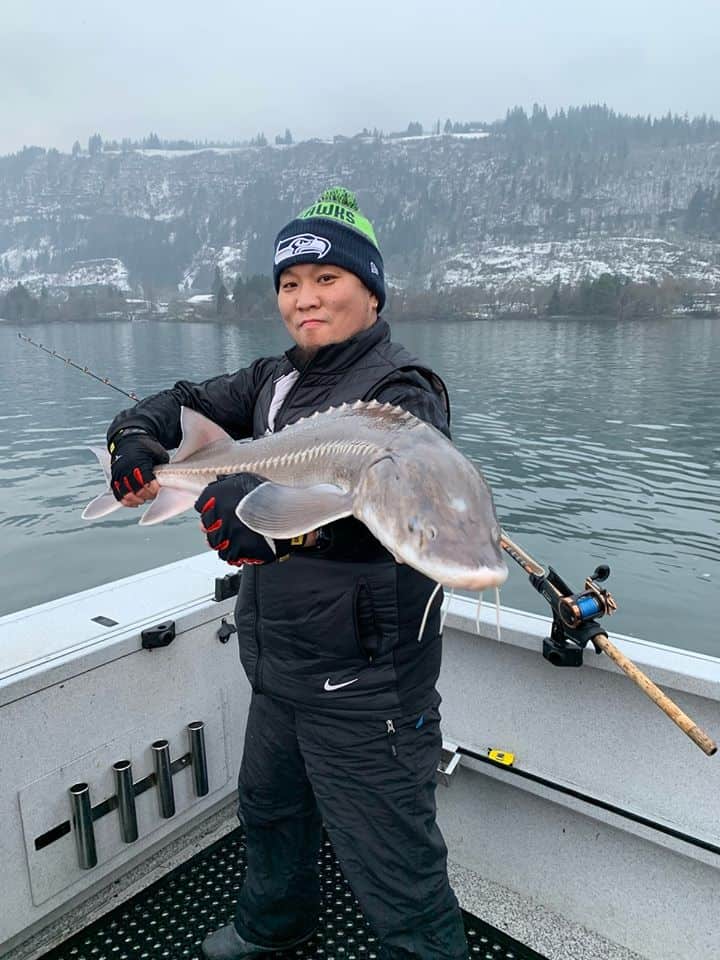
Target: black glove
234	542
133	456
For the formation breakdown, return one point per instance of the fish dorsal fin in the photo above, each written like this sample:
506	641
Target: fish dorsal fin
197	433
356	405
284	512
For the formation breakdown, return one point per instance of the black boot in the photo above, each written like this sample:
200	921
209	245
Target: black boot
227	944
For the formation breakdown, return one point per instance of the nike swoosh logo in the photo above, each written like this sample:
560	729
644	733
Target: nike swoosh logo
336	686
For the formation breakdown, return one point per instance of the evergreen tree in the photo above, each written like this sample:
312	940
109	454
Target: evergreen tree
217	282
94	144
555	307
19	304
238	294
221	299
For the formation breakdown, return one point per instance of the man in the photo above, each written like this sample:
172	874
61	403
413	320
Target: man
343	726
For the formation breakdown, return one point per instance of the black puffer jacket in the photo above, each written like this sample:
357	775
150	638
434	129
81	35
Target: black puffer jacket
334	630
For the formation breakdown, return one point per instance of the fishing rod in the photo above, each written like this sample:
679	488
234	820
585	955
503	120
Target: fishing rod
575	615
575	623
71	363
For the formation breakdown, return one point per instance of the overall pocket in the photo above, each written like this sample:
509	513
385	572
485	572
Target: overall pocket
368	633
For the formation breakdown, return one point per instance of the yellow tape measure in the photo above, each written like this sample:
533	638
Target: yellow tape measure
502	757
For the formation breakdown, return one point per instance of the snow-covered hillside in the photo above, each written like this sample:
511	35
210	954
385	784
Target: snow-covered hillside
497	207
499	267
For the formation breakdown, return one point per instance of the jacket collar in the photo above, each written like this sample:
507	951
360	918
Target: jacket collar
339	356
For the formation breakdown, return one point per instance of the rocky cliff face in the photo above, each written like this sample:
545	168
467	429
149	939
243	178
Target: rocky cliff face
498	207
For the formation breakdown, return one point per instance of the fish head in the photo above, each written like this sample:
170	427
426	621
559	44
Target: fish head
437	516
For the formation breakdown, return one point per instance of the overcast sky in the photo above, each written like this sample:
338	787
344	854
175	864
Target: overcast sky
227	69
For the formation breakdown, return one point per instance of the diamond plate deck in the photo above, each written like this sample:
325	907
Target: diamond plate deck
169	919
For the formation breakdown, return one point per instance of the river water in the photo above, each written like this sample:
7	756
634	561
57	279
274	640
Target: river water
601	442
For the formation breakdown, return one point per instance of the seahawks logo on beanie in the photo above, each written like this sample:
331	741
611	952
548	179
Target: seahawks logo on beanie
302	244
335	231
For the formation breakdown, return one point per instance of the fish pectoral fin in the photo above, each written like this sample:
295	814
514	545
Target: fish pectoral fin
284	512
168	503
101	506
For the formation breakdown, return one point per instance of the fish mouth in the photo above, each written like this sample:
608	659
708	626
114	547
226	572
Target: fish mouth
483	578
476	579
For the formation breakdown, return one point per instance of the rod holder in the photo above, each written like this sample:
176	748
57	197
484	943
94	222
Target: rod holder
198	756
163	777
125	791
82	821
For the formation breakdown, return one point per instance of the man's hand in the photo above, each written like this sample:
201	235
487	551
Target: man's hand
134	455
234	542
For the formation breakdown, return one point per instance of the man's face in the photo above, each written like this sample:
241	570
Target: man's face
322	304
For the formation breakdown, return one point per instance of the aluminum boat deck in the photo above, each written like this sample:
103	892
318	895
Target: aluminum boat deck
171	917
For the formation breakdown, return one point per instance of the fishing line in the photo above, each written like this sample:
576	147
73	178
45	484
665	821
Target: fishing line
497	613
477	613
71	363
427	611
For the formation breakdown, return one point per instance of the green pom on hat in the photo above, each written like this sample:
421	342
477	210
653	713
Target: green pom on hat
339	195
341	205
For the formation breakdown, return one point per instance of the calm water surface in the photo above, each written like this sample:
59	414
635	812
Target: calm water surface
601	442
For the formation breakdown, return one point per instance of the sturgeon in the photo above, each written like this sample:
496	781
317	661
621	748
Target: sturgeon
412	488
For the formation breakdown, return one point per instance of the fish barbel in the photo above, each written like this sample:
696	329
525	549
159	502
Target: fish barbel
411	487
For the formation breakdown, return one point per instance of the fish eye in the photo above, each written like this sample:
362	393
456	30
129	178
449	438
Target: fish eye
412	524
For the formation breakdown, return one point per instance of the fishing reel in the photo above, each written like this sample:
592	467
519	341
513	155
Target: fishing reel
574	614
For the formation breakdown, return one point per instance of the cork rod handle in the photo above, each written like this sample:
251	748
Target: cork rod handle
668	707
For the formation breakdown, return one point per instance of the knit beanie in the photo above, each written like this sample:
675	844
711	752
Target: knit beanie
333	231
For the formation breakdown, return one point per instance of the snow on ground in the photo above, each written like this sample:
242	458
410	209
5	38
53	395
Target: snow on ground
538	264
193	152
231	261
12	258
474	135
83	273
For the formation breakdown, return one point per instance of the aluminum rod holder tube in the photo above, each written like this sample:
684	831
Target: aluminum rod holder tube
196	729
126	800
163	777
82	822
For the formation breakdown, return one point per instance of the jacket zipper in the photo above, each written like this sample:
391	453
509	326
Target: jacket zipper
258	640
391	733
